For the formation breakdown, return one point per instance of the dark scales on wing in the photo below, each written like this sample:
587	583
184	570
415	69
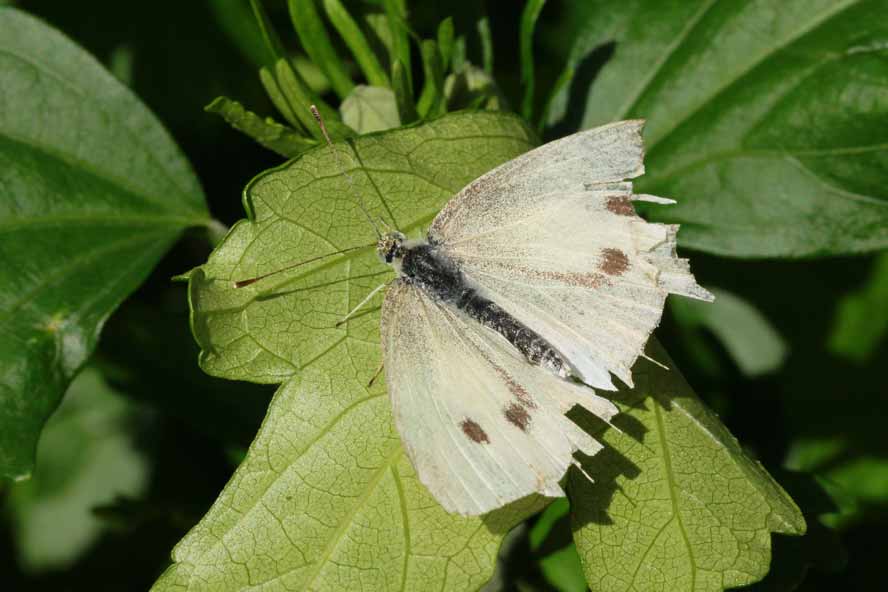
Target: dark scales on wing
474	431
440	278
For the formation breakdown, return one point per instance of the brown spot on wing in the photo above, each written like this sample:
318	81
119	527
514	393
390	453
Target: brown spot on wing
613	262
517	415
516	389
474	431
620	205
570	278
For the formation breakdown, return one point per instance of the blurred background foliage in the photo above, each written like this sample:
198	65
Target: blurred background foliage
792	356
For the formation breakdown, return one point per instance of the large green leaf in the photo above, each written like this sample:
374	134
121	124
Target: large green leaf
676	504
765	119
94	192
326	498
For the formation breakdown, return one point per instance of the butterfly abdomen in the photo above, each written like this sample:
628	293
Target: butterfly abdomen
441	279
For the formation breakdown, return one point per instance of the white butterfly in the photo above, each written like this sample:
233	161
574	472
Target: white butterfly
535	278
535	274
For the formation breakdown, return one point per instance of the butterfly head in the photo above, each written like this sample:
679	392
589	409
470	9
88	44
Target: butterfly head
390	247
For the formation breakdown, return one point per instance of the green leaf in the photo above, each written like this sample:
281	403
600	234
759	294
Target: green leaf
317	44
293	98
370	109
87	457
767	125
269	34
750	339
559	563
431	100
472	87
269	133
326	498
676	504
396	15
486	38
529	16
446	41
236	19
863	474
350	32
403	93
95	192
861	321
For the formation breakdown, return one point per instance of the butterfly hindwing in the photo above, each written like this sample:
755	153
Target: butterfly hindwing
481	426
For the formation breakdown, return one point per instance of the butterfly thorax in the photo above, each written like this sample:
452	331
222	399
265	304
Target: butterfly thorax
423	265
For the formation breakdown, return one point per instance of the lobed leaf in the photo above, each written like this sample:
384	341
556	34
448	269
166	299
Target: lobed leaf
326	498
95	192
676	504
764	121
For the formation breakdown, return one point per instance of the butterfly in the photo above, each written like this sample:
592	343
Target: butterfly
535	285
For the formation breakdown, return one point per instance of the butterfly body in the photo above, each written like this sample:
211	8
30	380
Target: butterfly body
421	264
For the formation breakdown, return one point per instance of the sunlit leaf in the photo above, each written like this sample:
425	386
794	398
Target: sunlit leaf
326	498
676	504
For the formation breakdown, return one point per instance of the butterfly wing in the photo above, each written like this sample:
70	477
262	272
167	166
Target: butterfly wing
553	238
481	426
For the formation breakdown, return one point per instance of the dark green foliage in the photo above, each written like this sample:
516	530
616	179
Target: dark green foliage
765	123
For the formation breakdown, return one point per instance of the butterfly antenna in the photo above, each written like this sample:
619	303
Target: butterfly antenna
253	280
317	115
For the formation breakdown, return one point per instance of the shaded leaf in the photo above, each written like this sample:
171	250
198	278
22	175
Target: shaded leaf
326	498
95	192
267	132
316	43
819	549
398	35
370	109
86	458
350	32
861	321
247	29
529	16
403	94
446	41
676	504
557	555
750	339
766	122
431	99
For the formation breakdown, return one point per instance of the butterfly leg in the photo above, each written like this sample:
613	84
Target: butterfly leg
376	374
362	303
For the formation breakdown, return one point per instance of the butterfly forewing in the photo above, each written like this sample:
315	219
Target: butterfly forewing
553	238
